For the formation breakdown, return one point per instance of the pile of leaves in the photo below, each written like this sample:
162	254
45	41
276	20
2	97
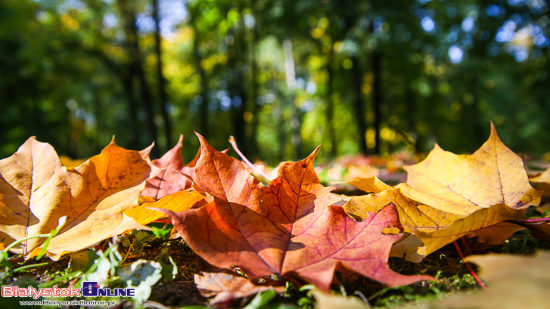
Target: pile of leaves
256	234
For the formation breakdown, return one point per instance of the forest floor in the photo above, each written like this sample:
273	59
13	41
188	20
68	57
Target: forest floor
176	289
168	267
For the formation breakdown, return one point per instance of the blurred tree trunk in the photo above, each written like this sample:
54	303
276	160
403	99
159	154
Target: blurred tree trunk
128	14
161	81
254	92
295	121
128	85
197	58
360	117
376	62
237	64
330	103
412	115
475	112
278	114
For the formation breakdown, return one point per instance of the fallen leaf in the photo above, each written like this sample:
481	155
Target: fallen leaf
407	248
479	190
486	188
25	179
481	219
224	286
540	230
462	184
330	301
413	216
69	162
170	174
93	196
285	228
370	184
542	182
495	234
176	202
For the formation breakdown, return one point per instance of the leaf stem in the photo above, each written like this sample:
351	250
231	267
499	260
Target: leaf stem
252	166
476	278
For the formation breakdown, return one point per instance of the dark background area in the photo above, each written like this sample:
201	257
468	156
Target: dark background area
281	76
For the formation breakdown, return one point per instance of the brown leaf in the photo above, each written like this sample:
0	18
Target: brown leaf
224	286
285	228
93	196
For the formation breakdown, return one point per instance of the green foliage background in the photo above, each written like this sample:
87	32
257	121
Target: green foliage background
282	76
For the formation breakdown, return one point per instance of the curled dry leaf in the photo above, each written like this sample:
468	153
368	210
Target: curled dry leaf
170	174
37	191
285	228
224	286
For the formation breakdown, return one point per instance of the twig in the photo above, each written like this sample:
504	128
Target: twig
476	278
252	166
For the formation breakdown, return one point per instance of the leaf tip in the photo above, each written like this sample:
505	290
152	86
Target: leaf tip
145	152
313	154
201	138
494	133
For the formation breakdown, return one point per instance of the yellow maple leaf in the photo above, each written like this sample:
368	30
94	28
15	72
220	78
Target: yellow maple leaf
38	190
462	184
448	196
